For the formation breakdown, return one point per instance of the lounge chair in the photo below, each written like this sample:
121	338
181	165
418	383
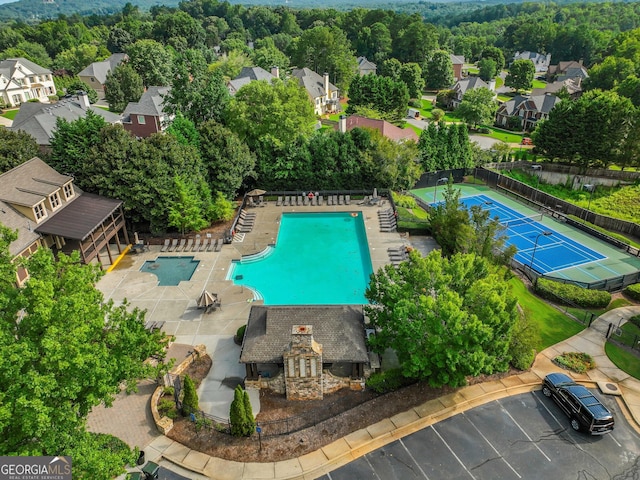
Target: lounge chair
165	246
287	201
205	244
388	229
245	214
335	199
320	200
243	229
347	199
279	202
245	222
314	201
196	244
183	242
305	201
298	200
250	202
341	200
173	246
261	201
329	200
218	246
212	245
189	245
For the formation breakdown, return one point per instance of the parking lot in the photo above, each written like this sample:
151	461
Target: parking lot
521	437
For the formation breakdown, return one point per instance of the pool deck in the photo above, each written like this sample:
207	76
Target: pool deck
176	305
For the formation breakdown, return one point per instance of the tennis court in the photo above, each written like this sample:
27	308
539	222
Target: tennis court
539	246
567	253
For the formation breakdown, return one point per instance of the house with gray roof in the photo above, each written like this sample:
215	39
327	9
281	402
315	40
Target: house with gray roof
39	119
146	116
48	211
567	70
466	84
305	351
95	75
528	109
457	61
323	94
250	74
540	61
22	80
365	67
572	86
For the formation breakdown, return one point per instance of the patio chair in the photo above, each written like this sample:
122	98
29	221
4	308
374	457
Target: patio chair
212	245
314	201
347	199
320	200
279	202
174	245
341	200
335	199
183	242
261	201
197	243
250	202
246	223
244	228
218	245
205	244
287	201
189	245
165	245
305	201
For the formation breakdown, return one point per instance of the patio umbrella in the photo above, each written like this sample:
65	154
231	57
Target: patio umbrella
206	299
256	192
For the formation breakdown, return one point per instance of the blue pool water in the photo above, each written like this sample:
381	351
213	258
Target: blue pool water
171	270
318	259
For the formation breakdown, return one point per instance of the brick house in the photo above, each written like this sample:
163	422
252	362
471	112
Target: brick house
146	116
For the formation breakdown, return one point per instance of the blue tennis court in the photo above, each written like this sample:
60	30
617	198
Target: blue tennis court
554	251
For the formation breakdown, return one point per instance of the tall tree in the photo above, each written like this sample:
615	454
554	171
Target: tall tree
488	69
123	85
186	212
521	75
411	75
326	50
199	94
16	148
439	70
445	318
152	61
478	107
383	94
495	54
609	73
450	225
65	351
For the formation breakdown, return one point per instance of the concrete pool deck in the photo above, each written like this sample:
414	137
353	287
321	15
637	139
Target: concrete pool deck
176	305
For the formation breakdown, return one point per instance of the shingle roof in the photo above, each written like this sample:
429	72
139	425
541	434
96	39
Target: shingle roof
509	107
255	73
79	217
385	128
13	219
30	182
364	64
457	59
150	103
39	119
99	70
8	66
470	83
338	328
312	82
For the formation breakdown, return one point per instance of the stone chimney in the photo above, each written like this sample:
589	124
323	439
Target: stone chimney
342	124
326	85
275	71
492	84
84	99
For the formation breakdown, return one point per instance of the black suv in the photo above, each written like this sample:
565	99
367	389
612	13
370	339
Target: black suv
583	408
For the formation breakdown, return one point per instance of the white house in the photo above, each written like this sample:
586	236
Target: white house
323	93
22	80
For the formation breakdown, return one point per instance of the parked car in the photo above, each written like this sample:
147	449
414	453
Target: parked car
582	407
527	141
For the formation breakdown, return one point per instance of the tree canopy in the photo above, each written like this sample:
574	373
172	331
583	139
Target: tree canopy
478	107
15	148
521	75
383	94
445	318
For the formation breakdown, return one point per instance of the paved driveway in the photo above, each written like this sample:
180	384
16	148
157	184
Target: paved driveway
521	437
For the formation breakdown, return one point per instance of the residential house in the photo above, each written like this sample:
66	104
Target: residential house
528	109
365	67
387	129
22	80
47	211
540	61
565	70
146	116
466	84
323	94
39	119
95	75
305	351
458	64
250	74
573	87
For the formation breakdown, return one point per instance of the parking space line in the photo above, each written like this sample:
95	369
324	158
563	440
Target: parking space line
413	459
452	452
371	467
522	430
491	445
614	439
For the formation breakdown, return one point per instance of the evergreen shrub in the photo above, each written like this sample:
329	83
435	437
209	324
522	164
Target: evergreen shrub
568	294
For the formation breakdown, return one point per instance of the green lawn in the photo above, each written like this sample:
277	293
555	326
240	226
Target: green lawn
503	135
504	98
538	83
10	114
102	107
552	325
499	83
624	360
617	303
473	71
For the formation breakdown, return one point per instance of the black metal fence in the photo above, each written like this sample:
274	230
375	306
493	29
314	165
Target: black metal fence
623	338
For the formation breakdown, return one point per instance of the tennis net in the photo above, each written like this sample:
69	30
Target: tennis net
516	222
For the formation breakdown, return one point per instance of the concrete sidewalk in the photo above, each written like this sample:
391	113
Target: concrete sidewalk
356	444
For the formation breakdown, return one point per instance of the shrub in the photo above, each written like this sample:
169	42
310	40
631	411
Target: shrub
635	320
522	347
568	294
388	381
241	424
575	361
633	291
415	103
190	400
405	201
168	391
484	130
167	408
240	332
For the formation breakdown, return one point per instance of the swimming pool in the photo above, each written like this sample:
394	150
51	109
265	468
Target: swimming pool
171	270
319	259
